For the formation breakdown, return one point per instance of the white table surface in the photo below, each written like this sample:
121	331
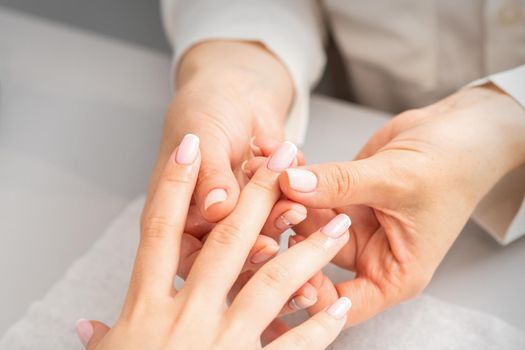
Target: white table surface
80	118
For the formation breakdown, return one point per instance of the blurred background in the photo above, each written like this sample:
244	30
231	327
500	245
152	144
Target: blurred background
63	160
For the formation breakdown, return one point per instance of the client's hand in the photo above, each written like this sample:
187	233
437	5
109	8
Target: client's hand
409	193
156	316
227	93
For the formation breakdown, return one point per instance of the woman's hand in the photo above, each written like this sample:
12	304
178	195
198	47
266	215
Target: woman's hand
227	93
156	316
409	193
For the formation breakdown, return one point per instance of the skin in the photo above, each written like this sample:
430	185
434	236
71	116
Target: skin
409	192
226	93
156	316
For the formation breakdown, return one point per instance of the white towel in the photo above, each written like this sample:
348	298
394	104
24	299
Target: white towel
95	285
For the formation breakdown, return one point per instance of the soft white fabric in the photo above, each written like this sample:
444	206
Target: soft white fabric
397	54
95	285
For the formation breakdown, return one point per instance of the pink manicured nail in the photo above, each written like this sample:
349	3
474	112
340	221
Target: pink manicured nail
337	226
290	218
283	157
339	309
217	195
307	298
264	254
300	302
301	180
188	150
84	330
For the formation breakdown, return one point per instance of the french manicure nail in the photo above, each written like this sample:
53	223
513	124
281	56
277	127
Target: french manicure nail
307	298
290	218
301	180
84	330
188	150
283	157
264	254
337	226
339	309
301	302
217	195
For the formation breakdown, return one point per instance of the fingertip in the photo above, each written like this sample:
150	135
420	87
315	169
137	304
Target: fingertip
84	330
217	204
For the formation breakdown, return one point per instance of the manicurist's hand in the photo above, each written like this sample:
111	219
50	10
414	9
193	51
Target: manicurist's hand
156	316
409	193
227	93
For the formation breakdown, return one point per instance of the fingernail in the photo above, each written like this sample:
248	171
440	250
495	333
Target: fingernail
337	226
339	309
188	150
300	302
255	149
217	195
84	330
301	180
290	218
264	254
306	299
283	157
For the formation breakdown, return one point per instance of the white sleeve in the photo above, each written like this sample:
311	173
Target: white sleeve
502	210
291	29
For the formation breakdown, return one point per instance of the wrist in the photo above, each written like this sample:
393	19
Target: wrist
245	69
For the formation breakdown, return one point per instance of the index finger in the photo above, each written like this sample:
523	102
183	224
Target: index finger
230	241
163	222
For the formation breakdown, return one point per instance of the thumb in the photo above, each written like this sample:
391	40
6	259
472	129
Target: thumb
91	333
217	188
367	181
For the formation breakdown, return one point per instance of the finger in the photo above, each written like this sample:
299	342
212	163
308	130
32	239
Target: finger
315	219
274	330
230	242
305	297
264	249
317	332
217	188
366	181
275	282
157	259
90	333
284	215
196	225
265	146
367	296
250	166
189	250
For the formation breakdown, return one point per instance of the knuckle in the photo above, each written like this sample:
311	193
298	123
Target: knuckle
274	275
316	245
300	340
225	234
341	179
262	185
320	325
156	227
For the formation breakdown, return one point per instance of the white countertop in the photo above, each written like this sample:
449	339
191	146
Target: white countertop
80	118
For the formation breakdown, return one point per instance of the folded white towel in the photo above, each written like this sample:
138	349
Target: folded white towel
95	285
